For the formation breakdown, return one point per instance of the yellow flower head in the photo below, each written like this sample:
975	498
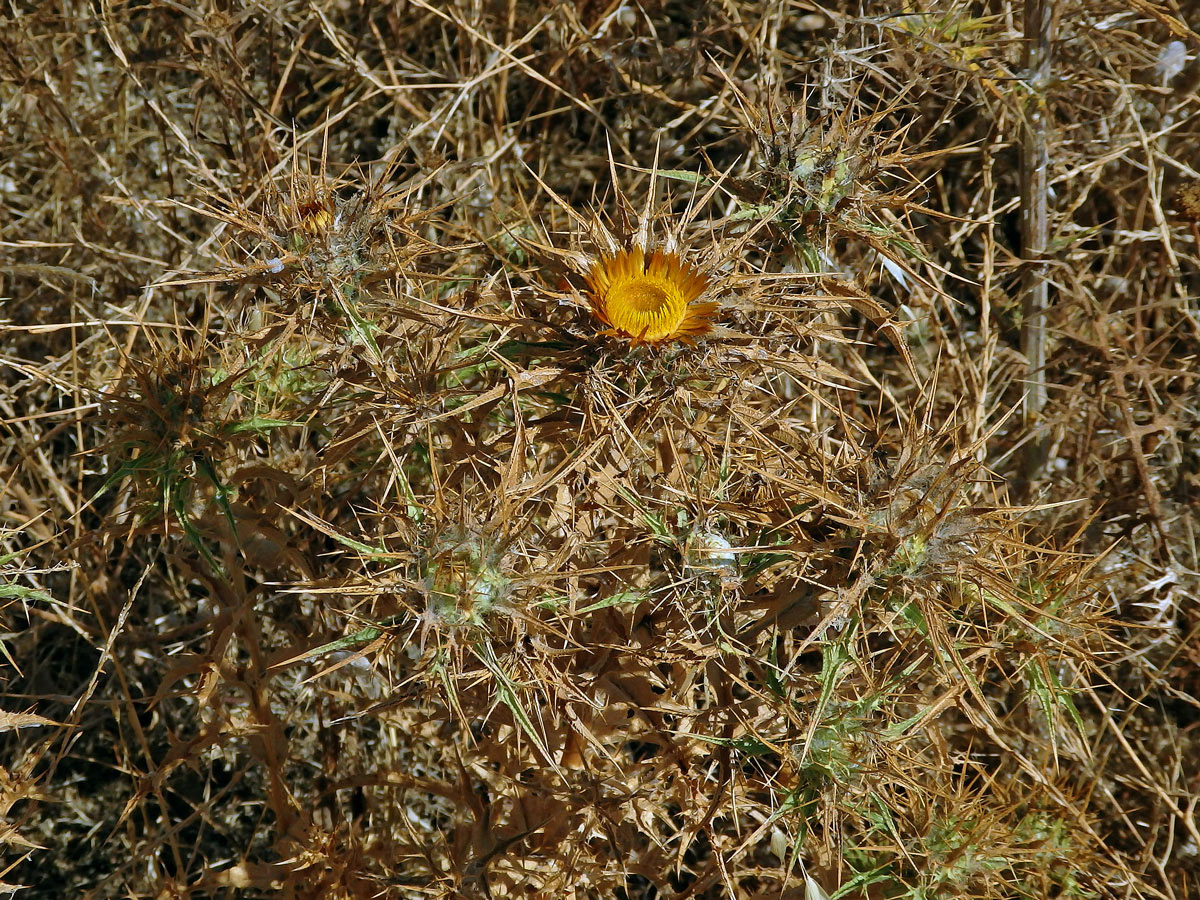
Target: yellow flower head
649	298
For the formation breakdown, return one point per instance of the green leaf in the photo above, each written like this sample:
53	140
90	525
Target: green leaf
685	175
357	545
622	598
507	690
19	592
748	744
362	329
257	425
862	880
762	561
757	211
360	638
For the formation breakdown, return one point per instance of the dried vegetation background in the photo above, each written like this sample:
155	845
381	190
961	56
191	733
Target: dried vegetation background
345	556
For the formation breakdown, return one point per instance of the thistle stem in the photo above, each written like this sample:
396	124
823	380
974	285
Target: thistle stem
1035	190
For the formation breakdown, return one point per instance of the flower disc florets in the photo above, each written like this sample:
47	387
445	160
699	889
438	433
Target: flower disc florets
649	298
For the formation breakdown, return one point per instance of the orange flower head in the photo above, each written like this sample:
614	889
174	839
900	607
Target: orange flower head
649	298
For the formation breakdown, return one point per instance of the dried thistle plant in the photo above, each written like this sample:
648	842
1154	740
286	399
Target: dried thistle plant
820	174
548	532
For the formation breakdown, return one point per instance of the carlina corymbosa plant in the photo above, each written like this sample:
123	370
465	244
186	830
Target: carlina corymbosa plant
599	450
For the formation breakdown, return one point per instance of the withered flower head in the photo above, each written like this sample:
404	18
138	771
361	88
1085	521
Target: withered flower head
315	216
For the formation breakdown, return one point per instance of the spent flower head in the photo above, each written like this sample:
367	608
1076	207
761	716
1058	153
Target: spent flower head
335	244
